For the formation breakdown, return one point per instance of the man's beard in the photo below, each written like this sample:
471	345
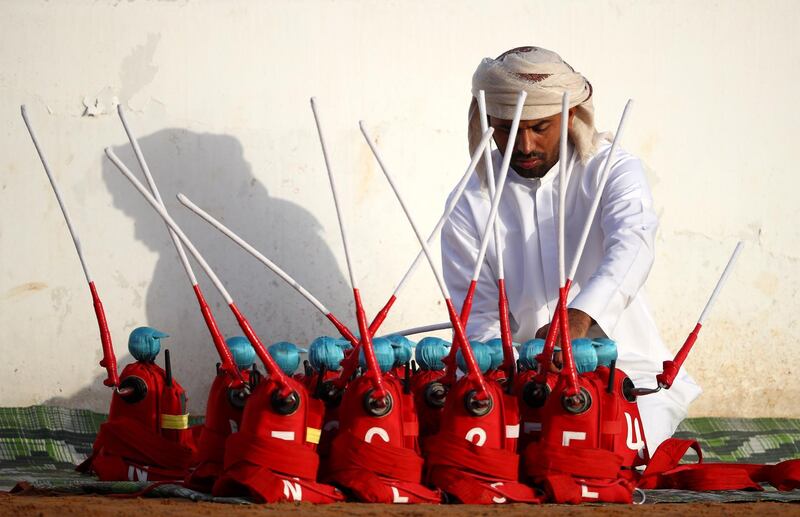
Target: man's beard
542	166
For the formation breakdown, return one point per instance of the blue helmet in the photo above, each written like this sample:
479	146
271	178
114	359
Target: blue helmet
482	353
527	354
244	355
144	343
584	354
286	355
384	354
430	351
606	351
496	350
327	352
403	349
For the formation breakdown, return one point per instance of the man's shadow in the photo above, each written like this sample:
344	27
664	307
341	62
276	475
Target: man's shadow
211	170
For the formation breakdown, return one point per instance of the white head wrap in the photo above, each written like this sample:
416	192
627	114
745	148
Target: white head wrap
545	77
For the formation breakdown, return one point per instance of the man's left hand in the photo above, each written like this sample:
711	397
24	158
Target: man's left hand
579	323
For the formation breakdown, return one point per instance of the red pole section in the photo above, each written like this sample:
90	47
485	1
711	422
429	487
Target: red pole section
568	369
274	372
466	308
373	371
545	358
505	329
671	368
227	365
109	361
473	372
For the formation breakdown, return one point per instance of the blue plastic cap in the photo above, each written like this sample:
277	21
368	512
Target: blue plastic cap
496	349
430	351
483	356
384	354
527	354
585	356
606	351
327	352
144	343
243	353
286	355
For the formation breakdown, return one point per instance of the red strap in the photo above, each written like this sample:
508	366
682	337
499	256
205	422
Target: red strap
281	456
664	471
543	460
349	452
447	449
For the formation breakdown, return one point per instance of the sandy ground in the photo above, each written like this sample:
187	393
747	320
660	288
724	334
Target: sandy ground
91	506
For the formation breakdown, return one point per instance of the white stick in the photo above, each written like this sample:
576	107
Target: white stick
250	249
599	194
721	281
425	248
57	192
476	156
425	328
171	223
151	182
562	185
345	242
501	182
498	247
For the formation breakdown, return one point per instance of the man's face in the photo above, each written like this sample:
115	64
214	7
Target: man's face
536	146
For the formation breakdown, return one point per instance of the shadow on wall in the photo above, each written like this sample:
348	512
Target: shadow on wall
211	170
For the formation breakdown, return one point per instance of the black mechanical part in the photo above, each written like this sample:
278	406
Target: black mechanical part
477	407
612	374
132	389
579	403
435	394
287	405
237	397
378	407
535	394
167	368
628	390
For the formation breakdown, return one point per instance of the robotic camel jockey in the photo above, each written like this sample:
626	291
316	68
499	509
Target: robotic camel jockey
147	434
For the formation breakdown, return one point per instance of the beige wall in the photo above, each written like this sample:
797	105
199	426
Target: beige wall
218	91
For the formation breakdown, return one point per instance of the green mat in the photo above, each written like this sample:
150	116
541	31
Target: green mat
41	446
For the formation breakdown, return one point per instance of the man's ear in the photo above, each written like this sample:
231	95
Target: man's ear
571	116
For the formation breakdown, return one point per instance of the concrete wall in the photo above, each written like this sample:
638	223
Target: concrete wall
218	92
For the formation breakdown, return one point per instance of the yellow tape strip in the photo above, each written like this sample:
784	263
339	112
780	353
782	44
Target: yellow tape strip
174	421
312	435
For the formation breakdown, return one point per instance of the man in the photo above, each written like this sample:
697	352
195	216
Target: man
607	298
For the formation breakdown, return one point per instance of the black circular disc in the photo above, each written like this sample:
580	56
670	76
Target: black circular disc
135	389
285	405
378	407
435	394
578	404
535	394
477	407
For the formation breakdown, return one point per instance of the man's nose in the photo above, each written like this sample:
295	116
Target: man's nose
525	141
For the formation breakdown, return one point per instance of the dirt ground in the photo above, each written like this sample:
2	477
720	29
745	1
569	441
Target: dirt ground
100	506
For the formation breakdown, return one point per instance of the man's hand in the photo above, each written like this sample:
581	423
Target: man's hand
579	323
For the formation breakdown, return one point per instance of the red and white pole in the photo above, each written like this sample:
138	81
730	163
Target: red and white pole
226	360
274	372
109	361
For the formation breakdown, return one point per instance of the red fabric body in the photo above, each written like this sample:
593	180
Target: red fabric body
273	457
474	458
377	458
131	444
124	450
428	415
222	419
530	418
588	456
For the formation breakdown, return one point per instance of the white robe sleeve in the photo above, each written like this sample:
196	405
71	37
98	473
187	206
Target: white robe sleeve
460	245
629	225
